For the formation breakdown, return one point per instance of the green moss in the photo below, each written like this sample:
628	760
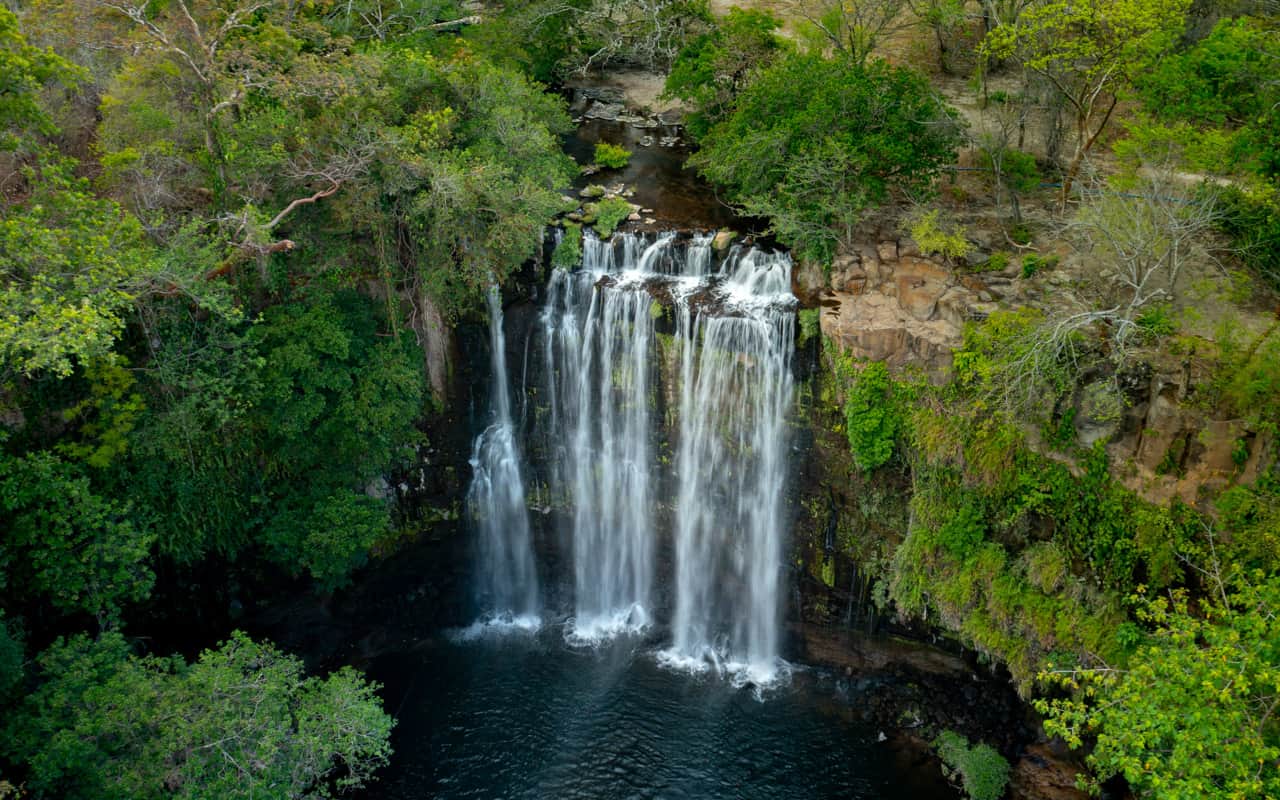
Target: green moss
829	571
809	324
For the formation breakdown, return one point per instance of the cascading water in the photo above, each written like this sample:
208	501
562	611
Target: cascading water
508	583
597	348
736	392
735	330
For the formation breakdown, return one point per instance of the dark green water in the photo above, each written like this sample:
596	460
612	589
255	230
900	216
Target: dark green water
529	717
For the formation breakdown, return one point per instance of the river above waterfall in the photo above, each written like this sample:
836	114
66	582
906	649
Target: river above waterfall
523	716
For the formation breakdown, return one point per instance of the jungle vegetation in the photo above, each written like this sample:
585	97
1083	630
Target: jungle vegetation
229	230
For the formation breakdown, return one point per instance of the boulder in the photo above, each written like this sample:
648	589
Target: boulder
870	259
807	283
955	304
610	112
887	251
920	284
1164	423
1099	413
722	240
1042	774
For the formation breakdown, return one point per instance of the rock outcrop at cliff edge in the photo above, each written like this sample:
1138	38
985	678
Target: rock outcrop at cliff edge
890	303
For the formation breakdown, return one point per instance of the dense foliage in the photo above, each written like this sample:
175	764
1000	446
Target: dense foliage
714	67
978	768
240	722
229	234
1191	716
814	142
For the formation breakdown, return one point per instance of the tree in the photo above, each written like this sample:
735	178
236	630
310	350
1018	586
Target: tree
72	266
473	184
581	35
1089	51
1003	12
813	143
1193	714
944	18
201	62
999	139
24	72
66	543
268	437
852	28
241	722
1145	227
1223	89
713	69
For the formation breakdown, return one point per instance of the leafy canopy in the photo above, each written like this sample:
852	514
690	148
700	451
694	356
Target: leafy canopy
241	722
813	143
714	67
1193	715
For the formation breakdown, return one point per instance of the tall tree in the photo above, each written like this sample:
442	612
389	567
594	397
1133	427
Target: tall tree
1194	713
1090	51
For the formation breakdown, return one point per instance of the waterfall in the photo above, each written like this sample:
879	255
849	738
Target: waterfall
735	332
597	346
508	582
736	393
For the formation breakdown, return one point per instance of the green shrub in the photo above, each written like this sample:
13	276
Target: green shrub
962	535
1020	233
872	418
593	192
809	324
1251	217
980	769
937	238
1033	263
611	156
997	262
1157	321
568	252
608	214
1062	434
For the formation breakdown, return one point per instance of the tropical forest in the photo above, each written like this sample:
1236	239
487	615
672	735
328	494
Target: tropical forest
777	399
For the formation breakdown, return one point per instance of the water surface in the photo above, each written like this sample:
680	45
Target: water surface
530	717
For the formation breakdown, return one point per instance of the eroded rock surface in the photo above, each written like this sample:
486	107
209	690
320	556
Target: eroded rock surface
889	303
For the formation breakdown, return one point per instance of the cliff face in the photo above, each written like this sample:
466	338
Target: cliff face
889	302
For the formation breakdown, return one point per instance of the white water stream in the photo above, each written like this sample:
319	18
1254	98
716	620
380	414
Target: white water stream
735	331
508	578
